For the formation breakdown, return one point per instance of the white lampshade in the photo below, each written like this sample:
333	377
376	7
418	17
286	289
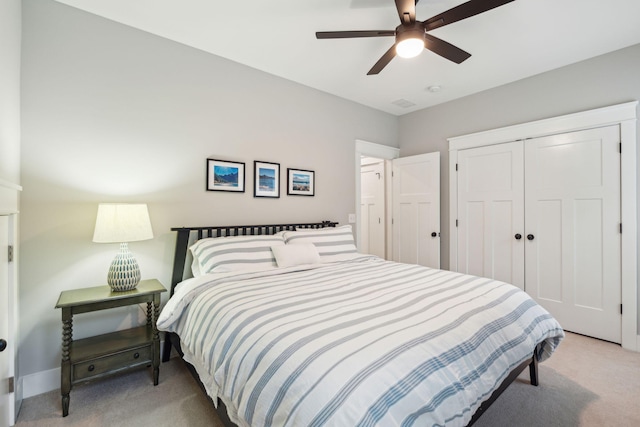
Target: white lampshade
122	223
410	47
119	223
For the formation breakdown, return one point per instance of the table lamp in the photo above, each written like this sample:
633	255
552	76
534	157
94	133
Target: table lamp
122	223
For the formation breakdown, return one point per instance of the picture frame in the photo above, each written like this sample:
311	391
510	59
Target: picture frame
300	182
224	175
266	179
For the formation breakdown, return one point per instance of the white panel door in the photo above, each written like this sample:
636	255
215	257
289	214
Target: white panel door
5	397
491	212
572	207
416	210
372	208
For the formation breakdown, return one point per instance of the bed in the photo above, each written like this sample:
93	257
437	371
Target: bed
287	325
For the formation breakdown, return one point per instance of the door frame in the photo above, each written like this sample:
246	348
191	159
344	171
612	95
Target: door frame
9	206
623	115
370	149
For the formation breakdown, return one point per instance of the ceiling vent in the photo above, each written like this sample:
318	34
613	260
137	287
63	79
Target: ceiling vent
403	103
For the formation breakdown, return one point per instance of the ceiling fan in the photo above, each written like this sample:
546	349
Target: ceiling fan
412	36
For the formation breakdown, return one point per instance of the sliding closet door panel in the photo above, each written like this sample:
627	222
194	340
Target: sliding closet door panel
588	268
549	245
505	248
572	206
491	212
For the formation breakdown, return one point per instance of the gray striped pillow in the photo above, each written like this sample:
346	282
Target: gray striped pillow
235	253
333	243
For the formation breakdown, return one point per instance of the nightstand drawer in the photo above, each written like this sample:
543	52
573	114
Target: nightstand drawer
109	364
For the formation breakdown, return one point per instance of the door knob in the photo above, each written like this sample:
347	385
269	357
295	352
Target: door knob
518	236
530	236
3	344
434	234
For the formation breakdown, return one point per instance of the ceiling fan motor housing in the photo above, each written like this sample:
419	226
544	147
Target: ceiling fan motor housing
414	30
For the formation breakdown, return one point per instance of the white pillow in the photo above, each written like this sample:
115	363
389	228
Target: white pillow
292	255
234	253
333	243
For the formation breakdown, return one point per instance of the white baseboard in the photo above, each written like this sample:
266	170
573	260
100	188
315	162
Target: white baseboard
46	381
40	382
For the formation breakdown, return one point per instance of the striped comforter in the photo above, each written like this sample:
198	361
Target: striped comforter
359	343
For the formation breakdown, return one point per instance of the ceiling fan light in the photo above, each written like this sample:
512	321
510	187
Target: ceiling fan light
410	47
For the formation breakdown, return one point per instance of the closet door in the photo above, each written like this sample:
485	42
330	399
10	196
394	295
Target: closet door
491	212
572	203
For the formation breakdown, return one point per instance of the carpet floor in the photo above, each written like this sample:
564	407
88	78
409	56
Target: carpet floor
586	383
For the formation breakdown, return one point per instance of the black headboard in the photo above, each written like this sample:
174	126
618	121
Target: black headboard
184	233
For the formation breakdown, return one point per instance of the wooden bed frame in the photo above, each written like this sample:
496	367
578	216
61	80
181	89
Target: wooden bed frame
178	275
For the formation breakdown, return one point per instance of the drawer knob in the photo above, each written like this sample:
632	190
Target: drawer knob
136	355
91	368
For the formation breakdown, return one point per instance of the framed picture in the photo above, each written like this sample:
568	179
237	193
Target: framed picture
225	176
300	182
266	177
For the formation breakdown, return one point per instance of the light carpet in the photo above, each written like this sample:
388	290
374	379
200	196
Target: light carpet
586	383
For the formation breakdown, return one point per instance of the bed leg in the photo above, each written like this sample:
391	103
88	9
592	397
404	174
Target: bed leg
166	350
533	371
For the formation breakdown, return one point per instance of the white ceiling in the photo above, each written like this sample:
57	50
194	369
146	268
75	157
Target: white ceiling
514	41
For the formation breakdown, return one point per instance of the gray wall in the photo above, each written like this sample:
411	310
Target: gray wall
609	79
10	30
113	114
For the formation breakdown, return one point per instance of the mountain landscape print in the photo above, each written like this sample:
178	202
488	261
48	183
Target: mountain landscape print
267	179
225	176
300	182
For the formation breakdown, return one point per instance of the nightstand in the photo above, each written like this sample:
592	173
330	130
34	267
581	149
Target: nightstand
96	357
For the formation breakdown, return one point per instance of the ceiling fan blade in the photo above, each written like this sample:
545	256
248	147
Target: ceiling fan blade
406	11
353	34
382	62
463	11
444	49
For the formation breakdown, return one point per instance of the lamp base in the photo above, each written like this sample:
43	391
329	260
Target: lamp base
124	272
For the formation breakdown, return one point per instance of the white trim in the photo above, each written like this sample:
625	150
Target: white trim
364	148
629	248
10	185
9	202
40	382
611	115
623	115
